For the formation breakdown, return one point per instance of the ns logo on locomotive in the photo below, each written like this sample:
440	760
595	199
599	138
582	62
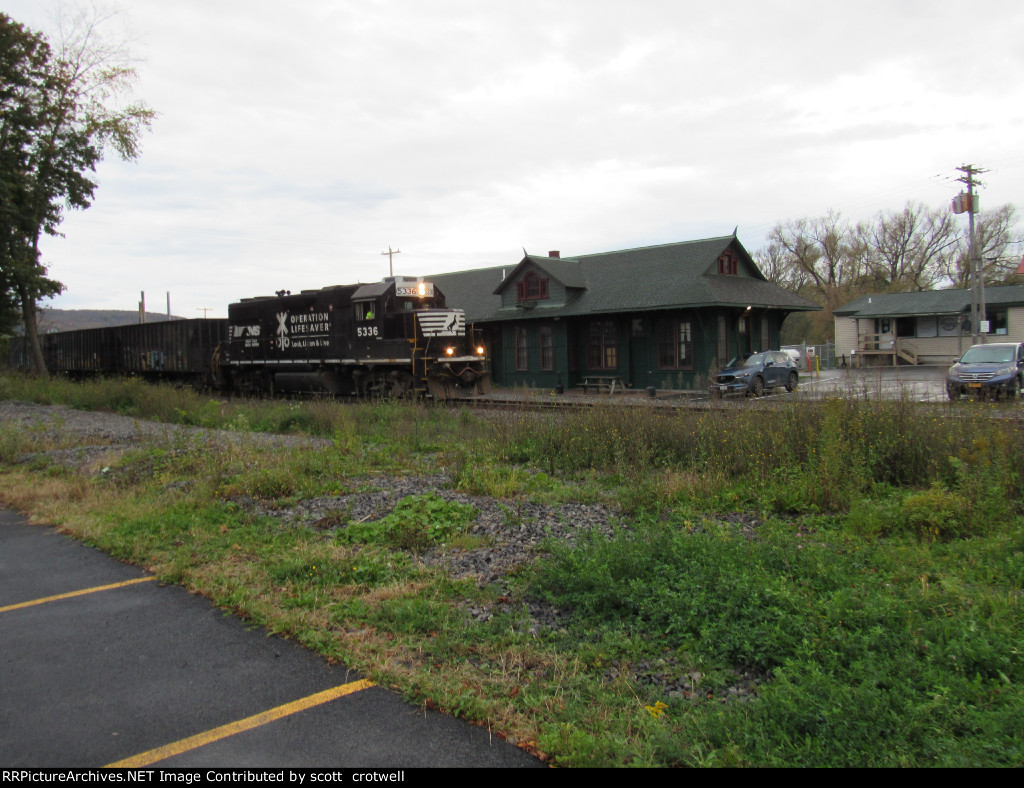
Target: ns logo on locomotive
392	338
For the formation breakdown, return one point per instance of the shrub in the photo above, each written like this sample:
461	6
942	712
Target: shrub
12	442
936	514
417	522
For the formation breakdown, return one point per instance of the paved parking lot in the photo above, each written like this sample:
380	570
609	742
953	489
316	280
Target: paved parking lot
918	384
102	665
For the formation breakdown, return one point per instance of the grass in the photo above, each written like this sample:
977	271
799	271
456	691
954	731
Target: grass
864	560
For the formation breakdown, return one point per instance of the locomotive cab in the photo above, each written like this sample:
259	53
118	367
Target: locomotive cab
445	361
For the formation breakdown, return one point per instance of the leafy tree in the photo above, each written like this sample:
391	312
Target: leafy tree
62	111
24	57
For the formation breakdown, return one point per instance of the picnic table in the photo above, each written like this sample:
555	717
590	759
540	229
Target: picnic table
603	383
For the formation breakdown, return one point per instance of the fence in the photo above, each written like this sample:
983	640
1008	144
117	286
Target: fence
826	354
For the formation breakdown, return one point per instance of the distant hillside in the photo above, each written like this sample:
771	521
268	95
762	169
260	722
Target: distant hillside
74	319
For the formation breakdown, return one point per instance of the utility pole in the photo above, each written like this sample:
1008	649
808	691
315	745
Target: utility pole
204	309
968	203
391	260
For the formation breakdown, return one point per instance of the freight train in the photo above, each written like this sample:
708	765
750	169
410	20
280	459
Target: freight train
392	338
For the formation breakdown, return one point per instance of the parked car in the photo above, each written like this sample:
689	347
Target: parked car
988	371
755	373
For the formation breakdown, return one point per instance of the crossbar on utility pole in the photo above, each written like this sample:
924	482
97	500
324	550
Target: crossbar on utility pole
391	260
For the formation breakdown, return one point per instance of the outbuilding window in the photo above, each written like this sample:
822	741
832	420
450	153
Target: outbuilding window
997	323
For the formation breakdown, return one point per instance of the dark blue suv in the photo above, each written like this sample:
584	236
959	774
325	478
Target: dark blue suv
988	370
755	373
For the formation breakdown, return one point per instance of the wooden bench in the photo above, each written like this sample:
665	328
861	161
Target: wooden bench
603	383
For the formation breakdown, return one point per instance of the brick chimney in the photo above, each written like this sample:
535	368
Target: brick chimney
555	253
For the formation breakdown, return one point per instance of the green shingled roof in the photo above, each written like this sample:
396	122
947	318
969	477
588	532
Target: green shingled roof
654	277
928	302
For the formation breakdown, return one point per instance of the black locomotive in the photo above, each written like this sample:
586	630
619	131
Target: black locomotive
391	338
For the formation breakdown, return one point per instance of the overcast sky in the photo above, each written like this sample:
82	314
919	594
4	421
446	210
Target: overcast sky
296	141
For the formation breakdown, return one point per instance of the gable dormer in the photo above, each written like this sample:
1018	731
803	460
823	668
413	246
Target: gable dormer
538	282
734	260
728	263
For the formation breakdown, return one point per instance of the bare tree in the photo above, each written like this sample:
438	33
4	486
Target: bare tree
774	263
998	250
906	250
823	254
821	259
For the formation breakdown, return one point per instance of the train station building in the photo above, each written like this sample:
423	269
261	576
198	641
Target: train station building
664	316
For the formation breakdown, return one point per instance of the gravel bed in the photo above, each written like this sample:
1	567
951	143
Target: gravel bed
512	532
96	434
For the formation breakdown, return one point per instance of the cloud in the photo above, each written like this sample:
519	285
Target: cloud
295	143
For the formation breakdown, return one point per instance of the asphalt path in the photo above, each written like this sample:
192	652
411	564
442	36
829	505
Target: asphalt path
102	665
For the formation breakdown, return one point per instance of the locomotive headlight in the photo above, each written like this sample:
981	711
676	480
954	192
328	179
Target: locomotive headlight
422	289
450	351
480	350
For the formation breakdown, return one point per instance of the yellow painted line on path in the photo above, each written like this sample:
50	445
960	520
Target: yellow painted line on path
71	594
216	734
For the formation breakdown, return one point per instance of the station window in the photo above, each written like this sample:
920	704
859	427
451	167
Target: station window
602	352
728	264
547	347
675	343
522	350
743	334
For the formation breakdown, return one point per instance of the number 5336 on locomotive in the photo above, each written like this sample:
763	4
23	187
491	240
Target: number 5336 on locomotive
392	338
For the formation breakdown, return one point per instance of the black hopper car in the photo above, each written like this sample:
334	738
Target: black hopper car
178	351
392	338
